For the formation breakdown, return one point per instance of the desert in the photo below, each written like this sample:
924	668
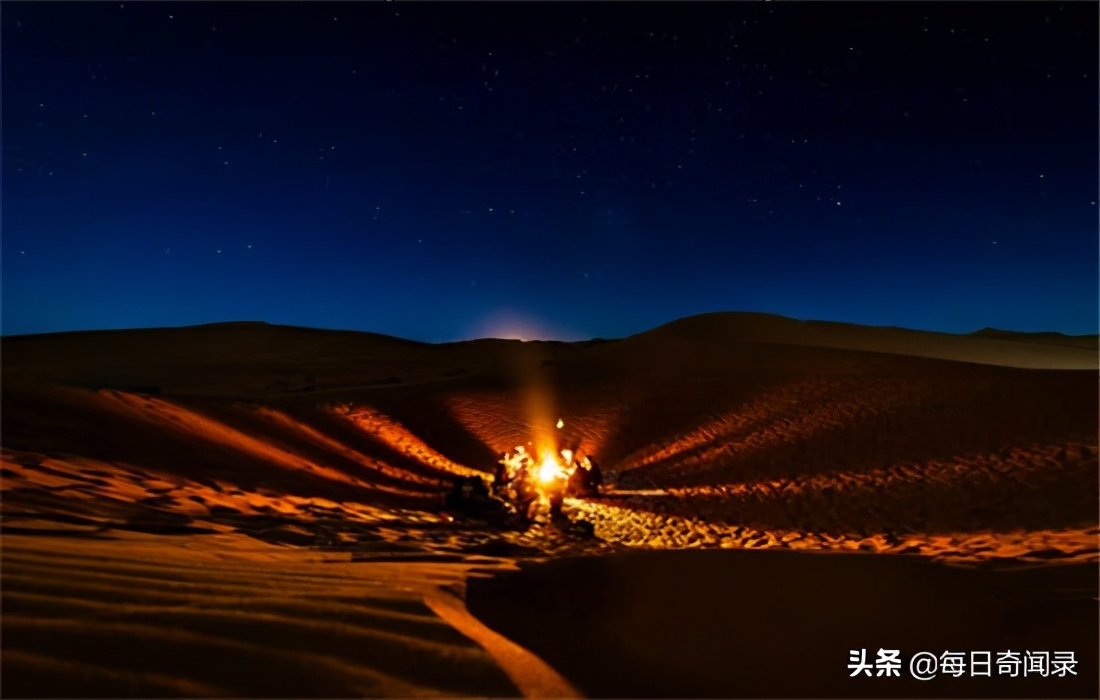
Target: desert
253	510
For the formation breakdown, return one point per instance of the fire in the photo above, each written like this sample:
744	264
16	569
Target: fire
542	476
554	470
551	470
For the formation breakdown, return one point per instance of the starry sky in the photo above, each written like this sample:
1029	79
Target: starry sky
548	170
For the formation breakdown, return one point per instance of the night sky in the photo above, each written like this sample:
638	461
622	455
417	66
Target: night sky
561	170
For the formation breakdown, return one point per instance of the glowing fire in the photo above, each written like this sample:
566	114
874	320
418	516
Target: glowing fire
540	476
554	468
551	470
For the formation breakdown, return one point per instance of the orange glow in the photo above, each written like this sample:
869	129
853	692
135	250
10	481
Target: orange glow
291	425
502	422
397	437
794	412
550	470
183	420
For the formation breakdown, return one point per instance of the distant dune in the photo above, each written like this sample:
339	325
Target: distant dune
987	346
249	509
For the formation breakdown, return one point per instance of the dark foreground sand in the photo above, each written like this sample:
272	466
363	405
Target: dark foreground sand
655	624
253	511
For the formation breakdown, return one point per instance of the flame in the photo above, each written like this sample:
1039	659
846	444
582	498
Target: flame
550	470
561	424
548	475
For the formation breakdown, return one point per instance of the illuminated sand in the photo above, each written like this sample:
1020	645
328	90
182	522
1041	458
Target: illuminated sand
226	509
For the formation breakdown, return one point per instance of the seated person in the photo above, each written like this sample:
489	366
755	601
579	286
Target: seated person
585	480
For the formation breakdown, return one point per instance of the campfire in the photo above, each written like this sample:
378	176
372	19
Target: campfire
532	479
553	471
530	484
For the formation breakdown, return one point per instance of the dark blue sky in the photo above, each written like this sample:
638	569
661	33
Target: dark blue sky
441	171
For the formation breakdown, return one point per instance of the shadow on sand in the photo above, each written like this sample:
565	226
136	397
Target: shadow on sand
720	623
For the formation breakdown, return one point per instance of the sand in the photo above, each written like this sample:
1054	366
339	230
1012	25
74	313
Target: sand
748	623
253	510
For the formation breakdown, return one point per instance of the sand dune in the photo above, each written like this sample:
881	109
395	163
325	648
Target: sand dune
986	346
118	616
253	510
